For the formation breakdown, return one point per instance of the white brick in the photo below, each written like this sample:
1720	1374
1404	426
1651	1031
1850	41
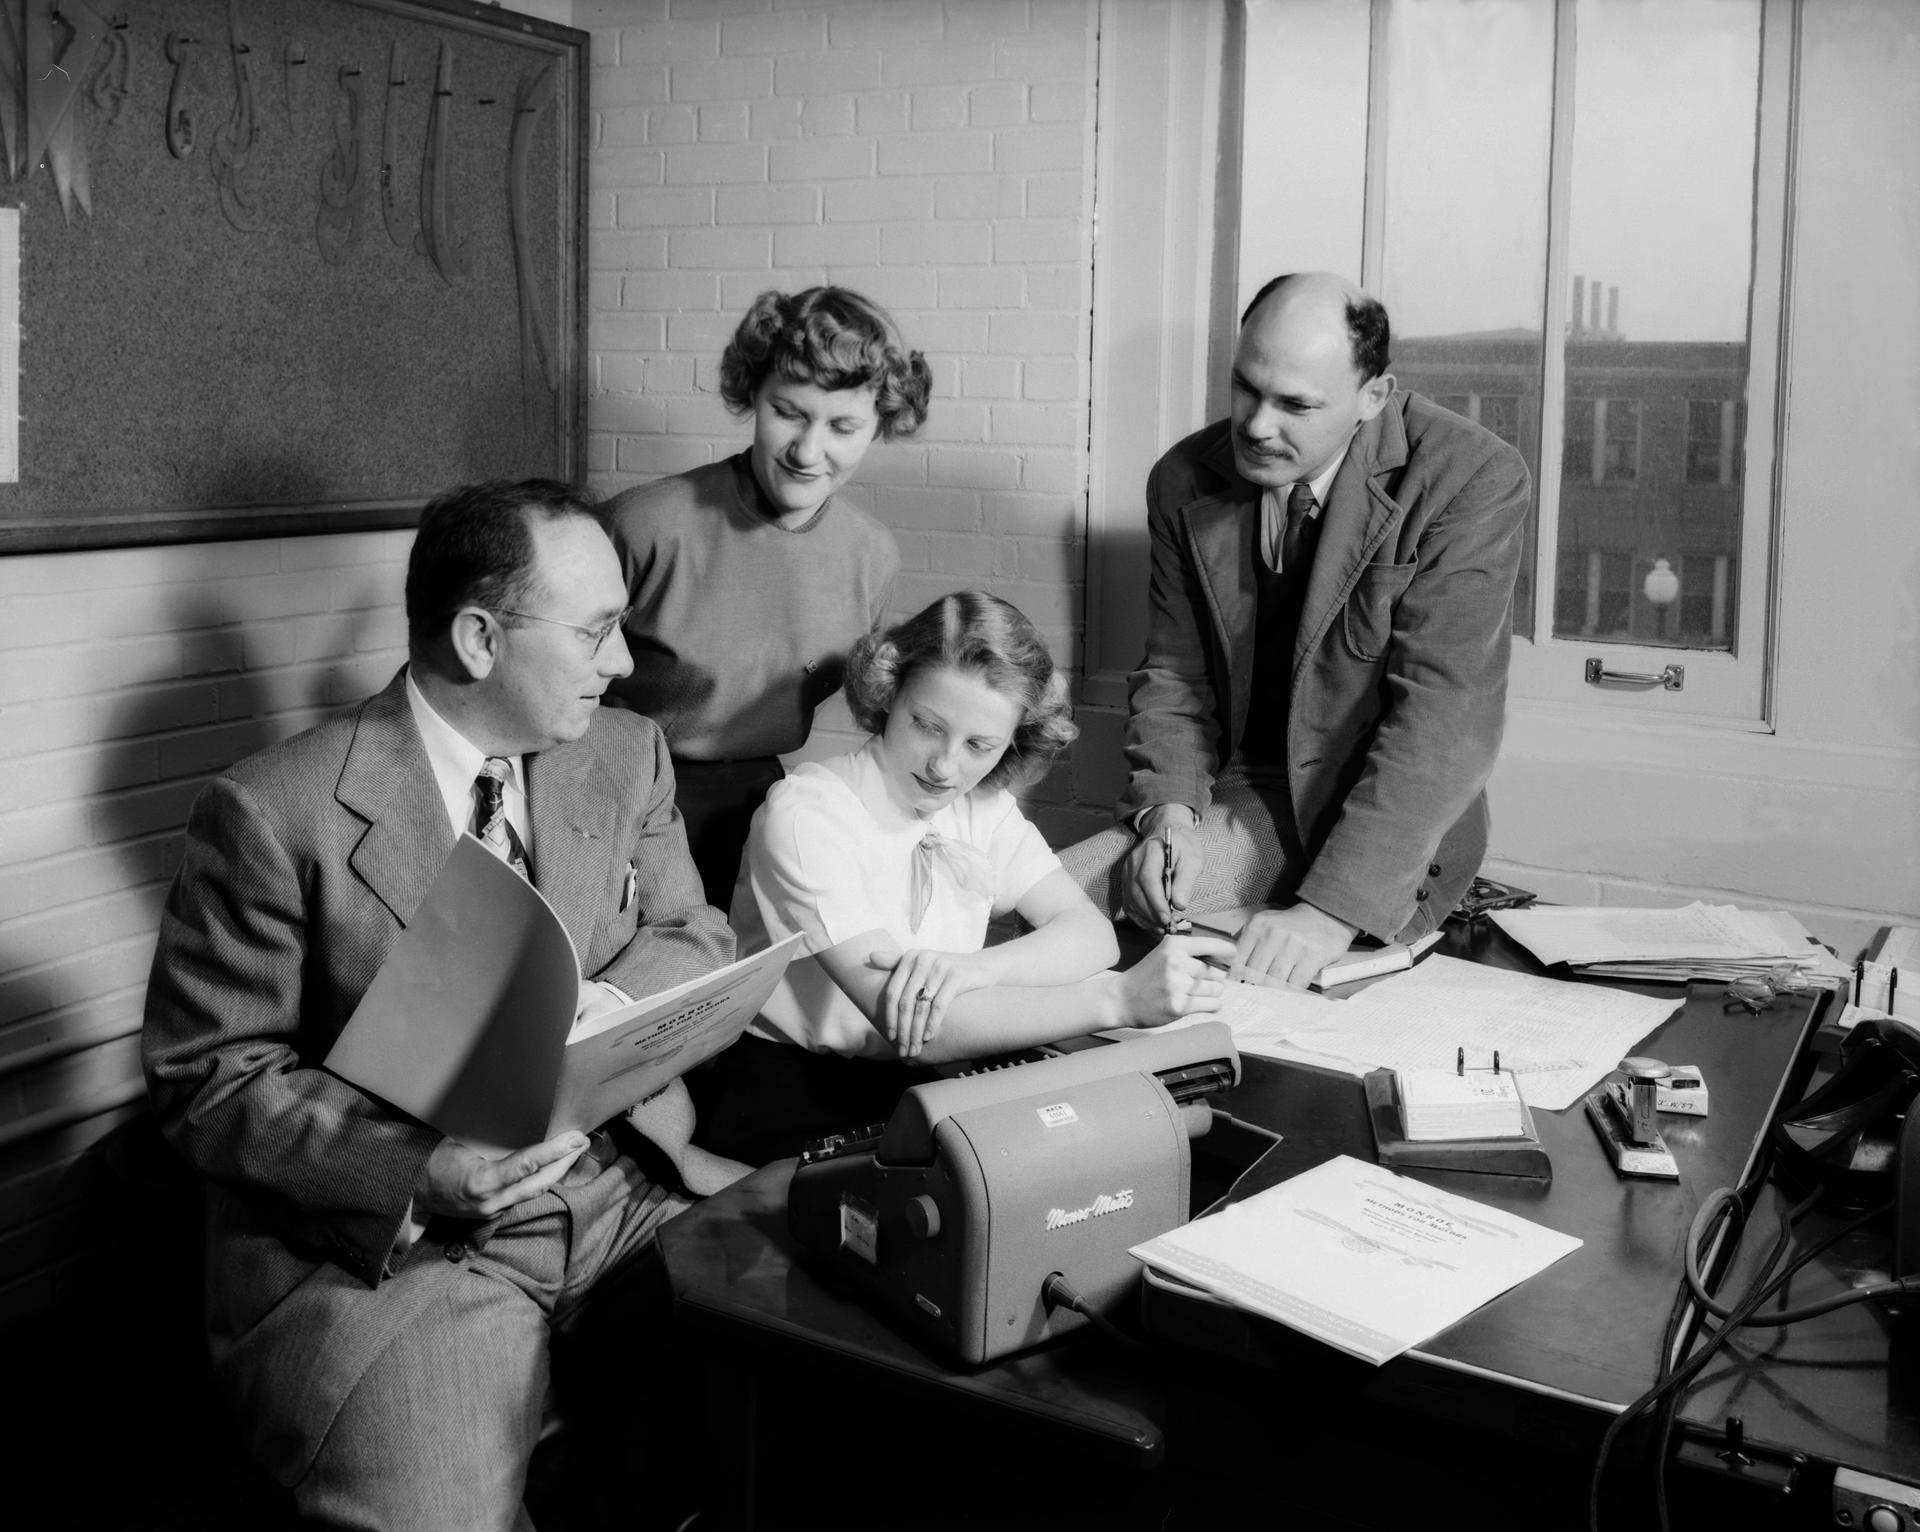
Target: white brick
616	169
1061	560
898	462
1057	516
933	243
818	159
922	154
938	109
968	555
1020	150
669	125
885	113
1037	241
630	374
611	88
900	288
980	197
828	116
995	287
719	247
877	200
603	291
794	32
1030	334
627	414
949	332
1043	425
827	245
1038	56
1057	196
956	421
945	510
599	210
599	457
991	19
668	42
938	63
778	118
1054	378
723	79
724	122
1000	105
707	164
1059	101
698	415
670	290
630	332
975	467
915	592
622	127
944	371
722	8
771	203
1060	289
700	334
629	252
890	24
990	377
658	456
665	207
819	74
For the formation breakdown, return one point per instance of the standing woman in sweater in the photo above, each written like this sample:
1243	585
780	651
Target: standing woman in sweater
749	580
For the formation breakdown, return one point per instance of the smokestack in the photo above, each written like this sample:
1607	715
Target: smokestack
1595	324
1613	312
1579	302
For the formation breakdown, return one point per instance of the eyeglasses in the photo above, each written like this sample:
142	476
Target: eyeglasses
599	635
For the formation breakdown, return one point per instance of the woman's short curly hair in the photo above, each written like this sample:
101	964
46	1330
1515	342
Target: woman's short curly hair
975	632
832	338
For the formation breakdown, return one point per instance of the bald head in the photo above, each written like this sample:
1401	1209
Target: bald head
1309	369
1361	315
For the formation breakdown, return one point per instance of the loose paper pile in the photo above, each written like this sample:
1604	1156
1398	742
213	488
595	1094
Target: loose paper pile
1359	1257
1437	1105
1697	941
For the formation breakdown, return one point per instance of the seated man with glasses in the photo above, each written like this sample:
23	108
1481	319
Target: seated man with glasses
388	1309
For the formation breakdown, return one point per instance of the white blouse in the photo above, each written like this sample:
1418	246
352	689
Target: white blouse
830	855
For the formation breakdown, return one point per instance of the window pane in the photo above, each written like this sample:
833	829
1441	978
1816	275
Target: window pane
1469	115
1666	98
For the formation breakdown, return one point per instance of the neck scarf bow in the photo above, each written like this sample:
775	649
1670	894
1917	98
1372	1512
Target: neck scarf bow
970	870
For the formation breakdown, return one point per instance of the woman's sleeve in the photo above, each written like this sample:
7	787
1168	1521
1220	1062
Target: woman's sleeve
805	868
1021	856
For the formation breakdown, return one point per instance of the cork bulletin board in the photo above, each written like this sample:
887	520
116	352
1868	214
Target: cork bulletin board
287	266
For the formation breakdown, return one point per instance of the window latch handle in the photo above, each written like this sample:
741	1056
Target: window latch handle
1673	678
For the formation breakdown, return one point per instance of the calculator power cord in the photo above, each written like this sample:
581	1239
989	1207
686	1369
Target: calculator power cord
1056	1292
1728	1198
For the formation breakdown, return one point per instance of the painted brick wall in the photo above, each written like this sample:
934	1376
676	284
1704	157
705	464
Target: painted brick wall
126	679
937	157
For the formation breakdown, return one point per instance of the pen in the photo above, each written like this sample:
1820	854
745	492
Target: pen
1496	1061
1176	926
1893	983
1460	1061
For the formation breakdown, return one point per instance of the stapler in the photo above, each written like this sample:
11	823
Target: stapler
1624	1114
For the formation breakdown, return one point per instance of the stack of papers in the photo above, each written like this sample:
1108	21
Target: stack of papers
1359	1257
1697	941
1437	1105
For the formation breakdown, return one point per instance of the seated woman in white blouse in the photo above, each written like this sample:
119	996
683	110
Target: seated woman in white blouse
890	862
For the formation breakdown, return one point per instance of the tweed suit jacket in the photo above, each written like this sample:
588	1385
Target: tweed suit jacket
1397	695
302	865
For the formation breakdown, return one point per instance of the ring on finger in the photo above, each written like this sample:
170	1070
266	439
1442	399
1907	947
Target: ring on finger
922	997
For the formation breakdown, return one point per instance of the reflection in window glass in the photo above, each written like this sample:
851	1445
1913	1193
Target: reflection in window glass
1660	260
1469	114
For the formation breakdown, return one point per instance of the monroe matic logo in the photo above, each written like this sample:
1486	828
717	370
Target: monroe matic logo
1059	1218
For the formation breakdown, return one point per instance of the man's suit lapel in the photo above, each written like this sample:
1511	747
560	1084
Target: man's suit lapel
1220	532
1353	524
387	781
574	835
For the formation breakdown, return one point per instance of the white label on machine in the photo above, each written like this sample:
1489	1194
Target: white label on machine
1058	1115
860	1229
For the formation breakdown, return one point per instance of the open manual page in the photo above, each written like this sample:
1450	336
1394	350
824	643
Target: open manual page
1359	1257
469	1025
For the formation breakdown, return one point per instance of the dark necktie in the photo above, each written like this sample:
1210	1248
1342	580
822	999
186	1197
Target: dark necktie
1296	543
491	824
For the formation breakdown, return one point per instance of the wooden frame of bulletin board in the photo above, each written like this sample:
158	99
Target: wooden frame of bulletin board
285	269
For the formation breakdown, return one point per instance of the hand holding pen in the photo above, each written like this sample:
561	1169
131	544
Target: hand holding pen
1158	878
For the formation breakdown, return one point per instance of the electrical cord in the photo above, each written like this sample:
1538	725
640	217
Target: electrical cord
1710	1208
1056	1292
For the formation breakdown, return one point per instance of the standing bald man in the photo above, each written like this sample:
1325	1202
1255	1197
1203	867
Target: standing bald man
1323	691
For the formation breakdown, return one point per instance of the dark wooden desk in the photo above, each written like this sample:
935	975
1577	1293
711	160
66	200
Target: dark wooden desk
1547	1363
